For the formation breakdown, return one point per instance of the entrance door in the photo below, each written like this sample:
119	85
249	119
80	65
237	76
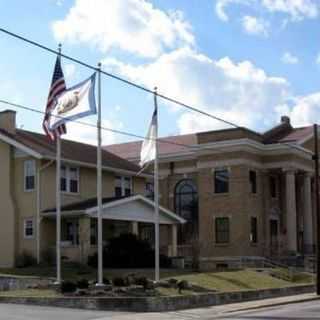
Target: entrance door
273	237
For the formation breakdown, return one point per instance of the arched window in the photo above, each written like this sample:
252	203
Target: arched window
186	206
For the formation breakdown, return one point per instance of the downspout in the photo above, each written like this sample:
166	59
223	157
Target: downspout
40	169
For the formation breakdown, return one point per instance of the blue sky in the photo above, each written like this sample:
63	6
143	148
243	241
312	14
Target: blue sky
248	61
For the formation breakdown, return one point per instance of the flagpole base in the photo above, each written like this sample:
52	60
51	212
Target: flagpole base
100	285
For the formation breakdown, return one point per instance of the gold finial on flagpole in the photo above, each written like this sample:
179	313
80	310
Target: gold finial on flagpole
59	47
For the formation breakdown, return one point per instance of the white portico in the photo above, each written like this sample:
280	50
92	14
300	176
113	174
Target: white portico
130	214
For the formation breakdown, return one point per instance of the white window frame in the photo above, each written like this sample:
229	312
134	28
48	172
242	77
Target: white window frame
25	222
122	178
25	165
68	179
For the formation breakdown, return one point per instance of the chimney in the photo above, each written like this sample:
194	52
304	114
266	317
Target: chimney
8	121
285	119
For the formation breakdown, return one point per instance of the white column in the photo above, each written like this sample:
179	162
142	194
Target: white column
291	211
174	240
307	214
135	228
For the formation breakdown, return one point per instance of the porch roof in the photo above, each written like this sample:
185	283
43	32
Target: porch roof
130	208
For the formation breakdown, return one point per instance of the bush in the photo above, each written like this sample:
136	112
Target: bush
68	287
25	259
128	251
119	282
83	284
48	257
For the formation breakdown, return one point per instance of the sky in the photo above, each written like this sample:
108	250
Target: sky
246	61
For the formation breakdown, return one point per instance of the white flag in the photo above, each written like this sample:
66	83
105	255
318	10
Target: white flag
148	149
74	103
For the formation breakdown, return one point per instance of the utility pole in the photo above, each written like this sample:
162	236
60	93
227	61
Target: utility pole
316	182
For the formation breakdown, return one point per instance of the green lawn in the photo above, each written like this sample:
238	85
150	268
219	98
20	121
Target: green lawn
247	279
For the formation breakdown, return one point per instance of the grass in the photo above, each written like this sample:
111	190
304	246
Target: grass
247	279
32	293
234	280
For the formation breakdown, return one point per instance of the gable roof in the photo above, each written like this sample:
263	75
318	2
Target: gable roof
71	151
89	207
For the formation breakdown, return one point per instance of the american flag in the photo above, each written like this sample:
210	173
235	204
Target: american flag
58	85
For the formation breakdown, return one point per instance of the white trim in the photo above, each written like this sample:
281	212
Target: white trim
134	198
106	168
25	175
68	179
20	146
251	145
25	236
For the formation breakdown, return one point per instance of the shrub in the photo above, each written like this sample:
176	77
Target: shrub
83	284
119	282
128	251
48	257
25	259
68	287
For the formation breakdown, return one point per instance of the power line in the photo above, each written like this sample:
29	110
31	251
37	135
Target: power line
128	82
129	134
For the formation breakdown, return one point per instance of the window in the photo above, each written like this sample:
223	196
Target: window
123	186
28	229
29	175
69	181
186	206
149	190
254	230
72	232
273	187
253	181
93	232
221	181
222	230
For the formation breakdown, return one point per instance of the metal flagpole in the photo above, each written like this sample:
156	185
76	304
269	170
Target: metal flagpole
156	192
316	182
58	203
99	185
58	208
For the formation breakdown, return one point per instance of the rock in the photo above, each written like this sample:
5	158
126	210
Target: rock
183	285
82	292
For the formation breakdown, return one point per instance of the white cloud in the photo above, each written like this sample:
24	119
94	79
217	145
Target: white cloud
255	26
295	10
305	110
221	6
88	134
69	71
135	26
289	58
238	92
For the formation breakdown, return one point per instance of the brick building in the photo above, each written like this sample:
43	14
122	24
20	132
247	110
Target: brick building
243	194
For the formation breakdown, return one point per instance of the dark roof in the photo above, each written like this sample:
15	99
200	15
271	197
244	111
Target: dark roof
167	145
70	150
298	134
84	204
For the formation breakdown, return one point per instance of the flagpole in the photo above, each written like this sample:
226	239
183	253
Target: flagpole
58	202
99	185
156	192
58	207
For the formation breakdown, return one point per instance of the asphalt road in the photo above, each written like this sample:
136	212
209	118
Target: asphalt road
298	311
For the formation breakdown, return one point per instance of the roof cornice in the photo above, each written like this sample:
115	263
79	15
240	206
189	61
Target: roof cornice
20	146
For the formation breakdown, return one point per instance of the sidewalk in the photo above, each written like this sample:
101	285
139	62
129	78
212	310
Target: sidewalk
219	311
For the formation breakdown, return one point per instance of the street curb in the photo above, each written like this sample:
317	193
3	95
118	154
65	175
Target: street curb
271	305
